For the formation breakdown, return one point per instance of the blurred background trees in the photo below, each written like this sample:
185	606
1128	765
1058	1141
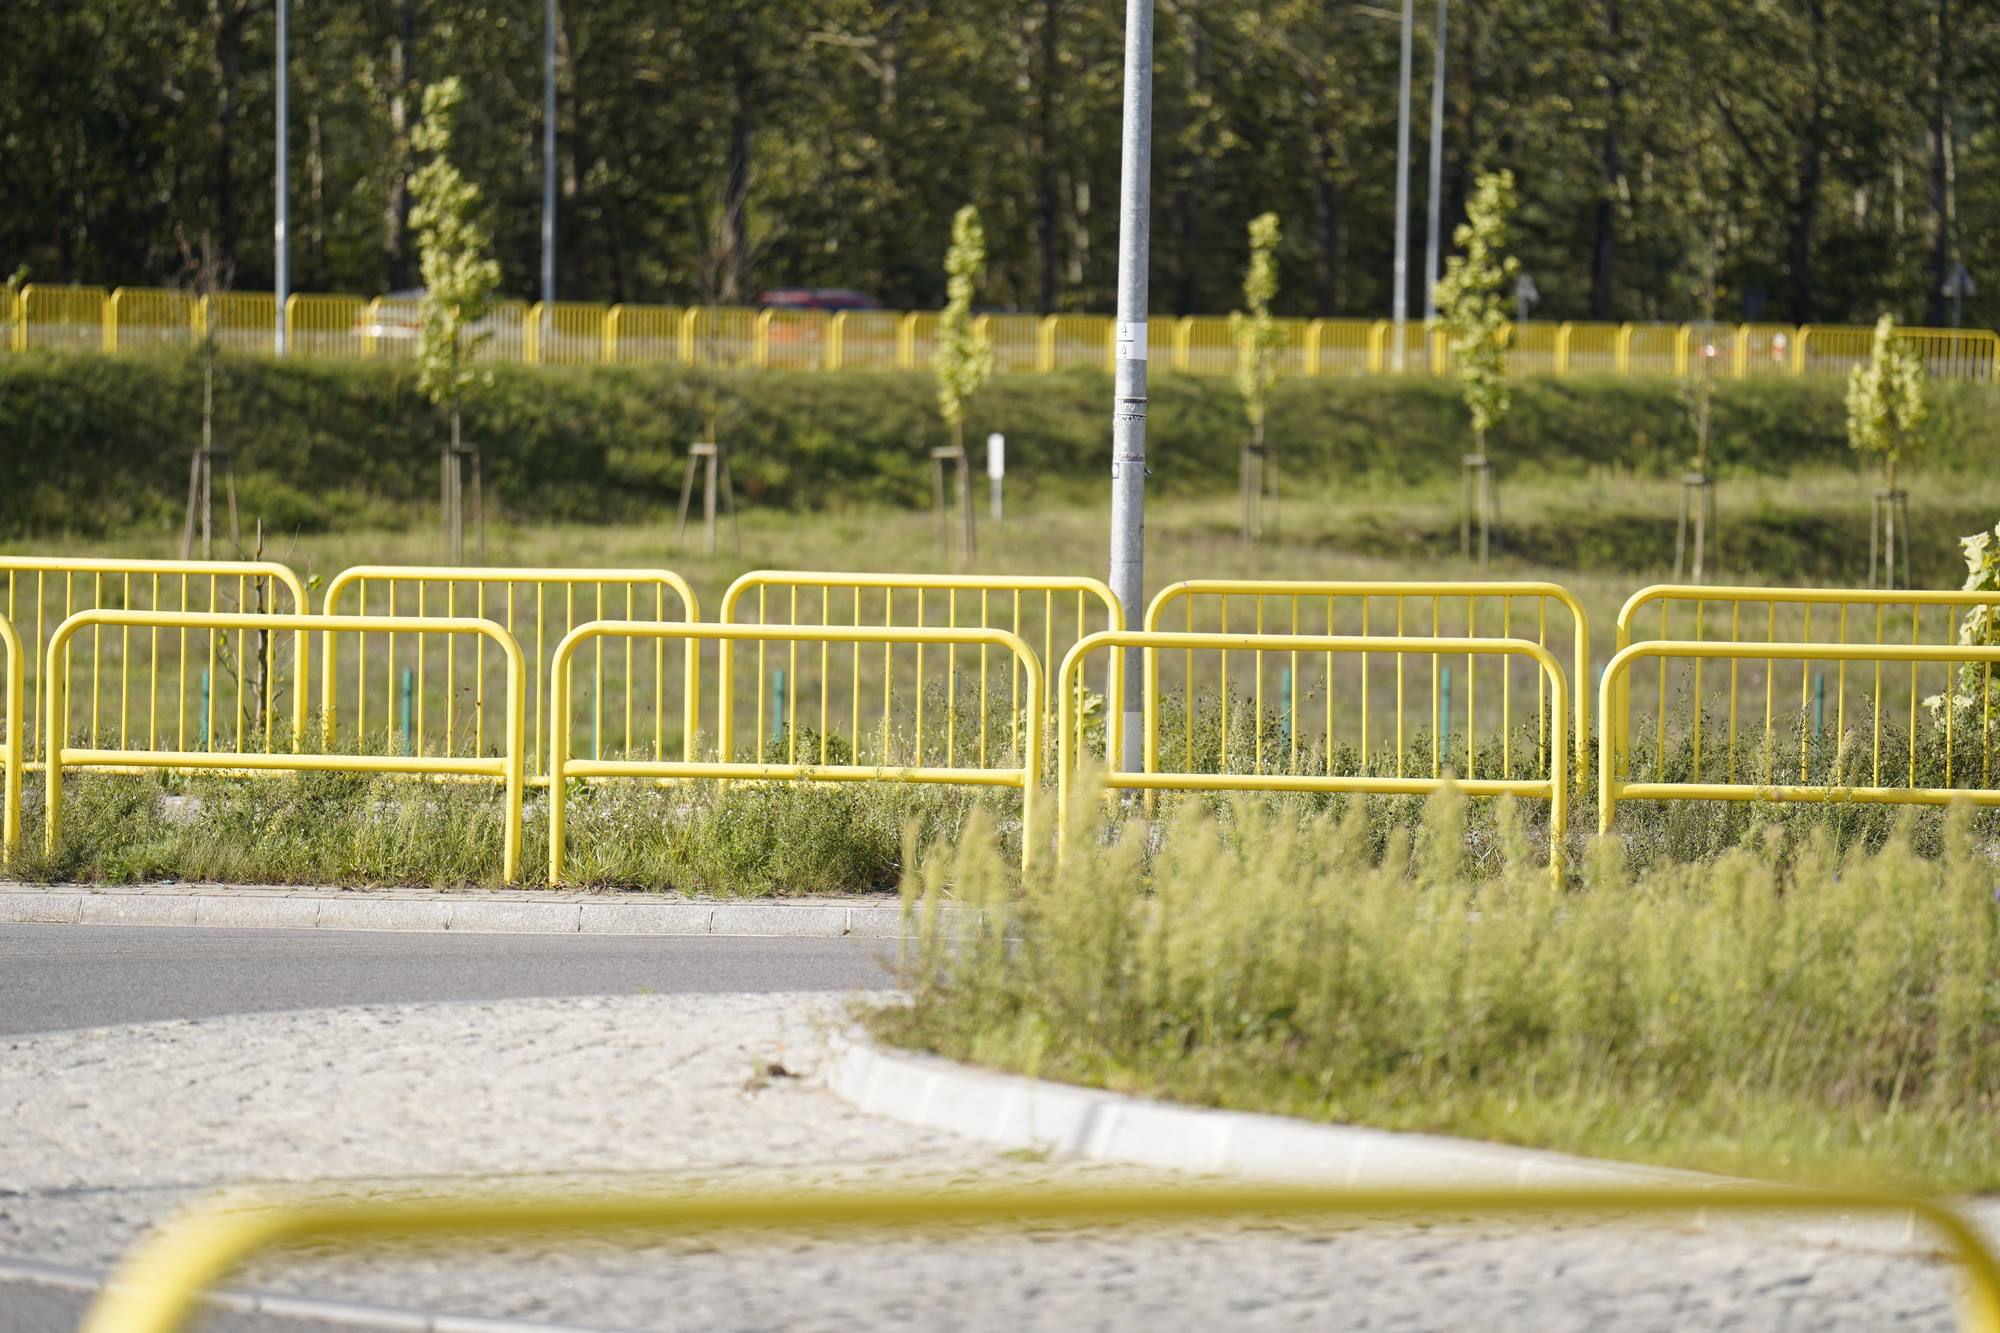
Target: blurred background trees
1843	156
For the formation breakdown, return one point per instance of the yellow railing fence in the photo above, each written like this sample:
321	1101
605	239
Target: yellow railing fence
864	340
147	688
1468	609
631	704
791	339
159	1286
235	749
1939	736
643	334
239	321
69	318
321	325
145	319
1051	611
1339	347
1841	617
1071	341
565	333
13	742
827	756
570	333
1309	763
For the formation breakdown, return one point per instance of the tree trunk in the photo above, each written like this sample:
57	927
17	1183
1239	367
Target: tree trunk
1614	170
734	271
1325	215
1944	168
396	213
1048	203
226	21
1803	214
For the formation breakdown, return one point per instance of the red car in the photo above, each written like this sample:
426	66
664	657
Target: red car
829	299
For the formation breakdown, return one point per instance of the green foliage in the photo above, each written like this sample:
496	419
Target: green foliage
1982	574
1886	400
319	445
1472	301
460	274
964	356
1256	334
1782	1009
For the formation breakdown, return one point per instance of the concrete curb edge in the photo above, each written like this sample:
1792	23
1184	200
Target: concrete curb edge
441	912
1019	1113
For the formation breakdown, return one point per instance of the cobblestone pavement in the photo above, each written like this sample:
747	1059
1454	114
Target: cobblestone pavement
105	1132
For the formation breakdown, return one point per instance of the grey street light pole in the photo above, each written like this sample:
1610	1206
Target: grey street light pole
1433	238
282	285
1400	297
549	156
1128	411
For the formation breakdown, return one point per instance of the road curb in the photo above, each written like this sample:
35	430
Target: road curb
469	913
351	1314
1028	1114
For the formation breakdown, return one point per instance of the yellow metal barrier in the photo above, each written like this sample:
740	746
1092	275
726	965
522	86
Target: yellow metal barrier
1295	776
159	1286
448	697
147	684
144	319
1615	728
317	325
564	333
1368	608
13	745
718	337
239	321
1078	340
791	339
85	318
1731	614
242	757
1020	604
1025	772
863	340
71	318
1339	347
643	334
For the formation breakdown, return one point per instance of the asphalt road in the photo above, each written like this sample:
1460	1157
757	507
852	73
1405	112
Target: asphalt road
59	977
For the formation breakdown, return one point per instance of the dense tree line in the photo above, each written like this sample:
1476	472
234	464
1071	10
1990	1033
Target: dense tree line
1798	159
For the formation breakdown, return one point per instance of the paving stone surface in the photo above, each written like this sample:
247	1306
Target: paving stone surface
105	1132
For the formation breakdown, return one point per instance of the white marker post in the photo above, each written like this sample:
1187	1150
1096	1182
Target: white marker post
996	467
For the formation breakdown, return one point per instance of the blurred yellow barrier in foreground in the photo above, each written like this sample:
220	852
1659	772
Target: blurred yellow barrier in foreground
159	1286
13	743
961	762
237	752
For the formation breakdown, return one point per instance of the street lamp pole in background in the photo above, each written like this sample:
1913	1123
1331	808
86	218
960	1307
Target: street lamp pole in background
1433	238
282	284
549	157
1400	297
1128	410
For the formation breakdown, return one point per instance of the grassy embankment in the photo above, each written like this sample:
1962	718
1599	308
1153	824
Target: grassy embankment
1782	1009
